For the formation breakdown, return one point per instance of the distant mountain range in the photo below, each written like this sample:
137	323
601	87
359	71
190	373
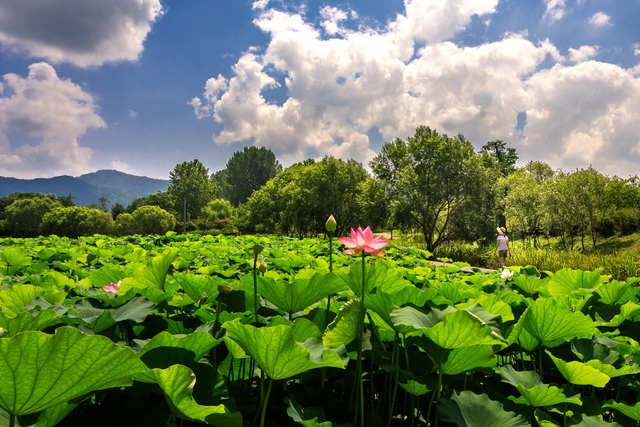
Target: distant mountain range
118	187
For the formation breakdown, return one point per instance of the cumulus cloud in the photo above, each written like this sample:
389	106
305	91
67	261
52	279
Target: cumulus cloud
122	167
81	32
51	110
342	83
133	114
583	53
600	19
555	10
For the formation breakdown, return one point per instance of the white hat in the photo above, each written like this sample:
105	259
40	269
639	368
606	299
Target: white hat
501	230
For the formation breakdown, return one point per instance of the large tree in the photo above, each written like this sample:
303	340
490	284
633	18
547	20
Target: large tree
301	198
191	186
247	171
438	183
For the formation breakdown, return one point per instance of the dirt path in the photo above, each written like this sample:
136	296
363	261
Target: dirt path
465	269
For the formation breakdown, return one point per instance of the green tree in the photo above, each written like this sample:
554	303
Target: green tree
218	209
496	155
191	185
247	171
75	221
24	216
124	225
162	199
301	198
117	209
152	220
438	182
104	204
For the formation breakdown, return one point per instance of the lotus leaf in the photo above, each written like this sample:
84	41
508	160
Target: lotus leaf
477	410
277	353
39	371
547	321
579	373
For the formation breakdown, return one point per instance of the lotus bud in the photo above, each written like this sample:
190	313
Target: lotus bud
223	289
257	249
331	224
262	267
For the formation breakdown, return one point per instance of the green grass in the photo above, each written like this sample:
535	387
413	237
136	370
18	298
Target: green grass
617	256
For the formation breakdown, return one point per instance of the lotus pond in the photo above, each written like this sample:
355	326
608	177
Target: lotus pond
181	330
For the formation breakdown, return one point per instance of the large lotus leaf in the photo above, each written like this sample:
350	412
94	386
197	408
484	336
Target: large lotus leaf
610	370
13	299
611	293
382	303
377	275
420	318
493	304
631	411
578	420
547	321
38	371
569	282
467	409
344	327
457	361
494	321
415	388
455	291
528	284
13	259
300	293
579	373
276	352
303	328
154	274
628	311
52	279
164	349
198	286
521	336
106	275
177	384
26	321
533	392
598	348
460	329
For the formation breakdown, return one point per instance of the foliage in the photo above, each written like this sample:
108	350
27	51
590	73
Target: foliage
174	344
301	198
24	216
247	171
496	155
438	185
191	186
77	221
152	220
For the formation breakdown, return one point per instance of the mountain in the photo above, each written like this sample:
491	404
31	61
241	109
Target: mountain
118	187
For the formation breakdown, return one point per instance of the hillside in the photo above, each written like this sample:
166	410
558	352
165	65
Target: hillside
116	186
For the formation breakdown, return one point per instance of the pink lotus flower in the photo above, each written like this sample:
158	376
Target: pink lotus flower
363	240
113	287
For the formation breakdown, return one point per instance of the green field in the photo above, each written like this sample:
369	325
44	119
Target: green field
193	330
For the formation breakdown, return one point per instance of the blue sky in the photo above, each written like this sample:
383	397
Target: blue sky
141	85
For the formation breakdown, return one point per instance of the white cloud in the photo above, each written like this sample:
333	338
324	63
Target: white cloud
555	10
636	49
122	167
600	19
132	114
81	32
54	111
408	74
259	4
584	53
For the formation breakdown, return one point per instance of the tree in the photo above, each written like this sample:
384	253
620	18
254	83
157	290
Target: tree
152	220
301	198
190	184
117	209
438	182
162	199
75	221
104	204
496	155
247	171
124	224
24	216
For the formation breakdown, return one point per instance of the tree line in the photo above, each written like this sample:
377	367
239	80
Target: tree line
431	183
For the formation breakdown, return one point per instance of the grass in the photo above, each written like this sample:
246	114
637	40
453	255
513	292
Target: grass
618	256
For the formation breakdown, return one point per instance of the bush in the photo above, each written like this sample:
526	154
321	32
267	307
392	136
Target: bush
152	220
77	221
124	225
24	216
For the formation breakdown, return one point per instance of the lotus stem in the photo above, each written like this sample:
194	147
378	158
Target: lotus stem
12	418
396	357
255	288
266	402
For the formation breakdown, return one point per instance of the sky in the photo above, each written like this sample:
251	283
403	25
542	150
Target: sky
142	85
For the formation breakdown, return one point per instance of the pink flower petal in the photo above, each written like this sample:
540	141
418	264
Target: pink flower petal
350	243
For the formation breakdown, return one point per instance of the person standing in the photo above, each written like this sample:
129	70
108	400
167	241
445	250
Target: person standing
502	245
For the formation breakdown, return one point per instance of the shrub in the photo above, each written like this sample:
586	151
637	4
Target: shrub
152	220
77	221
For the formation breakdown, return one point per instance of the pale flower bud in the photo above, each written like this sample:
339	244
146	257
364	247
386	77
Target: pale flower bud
331	224
262	267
